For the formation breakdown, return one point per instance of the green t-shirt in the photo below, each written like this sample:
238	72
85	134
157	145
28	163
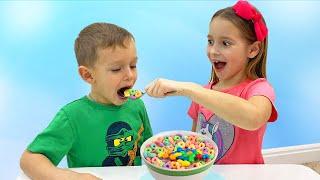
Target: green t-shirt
93	134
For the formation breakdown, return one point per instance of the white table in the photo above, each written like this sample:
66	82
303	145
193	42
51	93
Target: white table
229	172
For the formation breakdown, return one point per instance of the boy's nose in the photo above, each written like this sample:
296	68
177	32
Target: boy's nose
129	74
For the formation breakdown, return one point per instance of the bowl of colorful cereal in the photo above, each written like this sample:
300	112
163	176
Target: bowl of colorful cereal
179	155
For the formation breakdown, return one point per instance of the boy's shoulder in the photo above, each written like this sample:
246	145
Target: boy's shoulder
83	106
135	105
84	102
76	104
136	102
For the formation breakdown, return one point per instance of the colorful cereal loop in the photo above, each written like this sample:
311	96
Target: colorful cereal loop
159	150
211	152
153	146
182	144
171	140
210	146
192	139
176	138
166	142
167	165
148	150
201	145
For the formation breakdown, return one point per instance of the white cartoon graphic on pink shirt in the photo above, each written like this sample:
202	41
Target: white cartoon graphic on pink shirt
219	130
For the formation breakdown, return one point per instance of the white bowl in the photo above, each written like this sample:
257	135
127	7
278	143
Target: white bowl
161	173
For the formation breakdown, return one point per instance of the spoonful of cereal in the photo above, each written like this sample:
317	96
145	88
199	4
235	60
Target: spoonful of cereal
133	94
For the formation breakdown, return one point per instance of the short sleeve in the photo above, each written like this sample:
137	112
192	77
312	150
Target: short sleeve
193	110
56	140
261	87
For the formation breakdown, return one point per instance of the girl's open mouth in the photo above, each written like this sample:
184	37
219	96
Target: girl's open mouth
219	65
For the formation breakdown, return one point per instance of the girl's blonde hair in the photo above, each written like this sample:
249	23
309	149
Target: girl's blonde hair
256	67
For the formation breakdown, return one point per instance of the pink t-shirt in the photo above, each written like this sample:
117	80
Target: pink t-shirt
236	145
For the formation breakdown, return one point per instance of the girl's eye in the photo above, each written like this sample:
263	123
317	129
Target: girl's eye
210	42
226	43
133	67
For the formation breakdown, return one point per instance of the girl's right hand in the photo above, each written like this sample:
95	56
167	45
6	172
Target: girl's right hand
164	87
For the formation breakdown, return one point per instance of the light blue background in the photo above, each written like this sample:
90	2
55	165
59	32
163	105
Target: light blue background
38	70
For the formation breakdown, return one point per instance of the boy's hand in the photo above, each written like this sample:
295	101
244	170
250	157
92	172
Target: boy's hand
164	87
87	176
71	175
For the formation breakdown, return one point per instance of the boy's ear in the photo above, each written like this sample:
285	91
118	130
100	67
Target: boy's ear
254	49
85	74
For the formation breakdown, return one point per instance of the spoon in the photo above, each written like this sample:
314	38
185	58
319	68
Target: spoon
133	94
136	94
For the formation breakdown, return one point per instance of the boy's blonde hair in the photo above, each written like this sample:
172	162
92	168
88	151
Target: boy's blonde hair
256	67
98	36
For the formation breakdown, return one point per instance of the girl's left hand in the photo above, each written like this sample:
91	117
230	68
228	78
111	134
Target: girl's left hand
165	87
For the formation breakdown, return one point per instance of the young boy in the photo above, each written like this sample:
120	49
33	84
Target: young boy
103	128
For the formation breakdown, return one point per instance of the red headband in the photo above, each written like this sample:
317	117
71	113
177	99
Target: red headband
246	11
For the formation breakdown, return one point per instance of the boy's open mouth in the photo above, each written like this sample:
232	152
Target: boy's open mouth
120	92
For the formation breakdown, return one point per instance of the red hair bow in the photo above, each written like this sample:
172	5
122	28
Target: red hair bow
246	11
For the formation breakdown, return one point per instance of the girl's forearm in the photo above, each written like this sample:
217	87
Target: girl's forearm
233	109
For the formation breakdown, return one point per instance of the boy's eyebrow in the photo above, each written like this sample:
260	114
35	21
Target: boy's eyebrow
135	59
119	62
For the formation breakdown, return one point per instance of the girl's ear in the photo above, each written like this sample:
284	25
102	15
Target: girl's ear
254	49
85	74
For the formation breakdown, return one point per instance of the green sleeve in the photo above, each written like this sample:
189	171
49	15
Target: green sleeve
56	140
147	133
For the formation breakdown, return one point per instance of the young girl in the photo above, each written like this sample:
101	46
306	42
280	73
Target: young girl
235	106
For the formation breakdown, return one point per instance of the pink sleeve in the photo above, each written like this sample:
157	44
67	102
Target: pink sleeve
261	87
193	110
